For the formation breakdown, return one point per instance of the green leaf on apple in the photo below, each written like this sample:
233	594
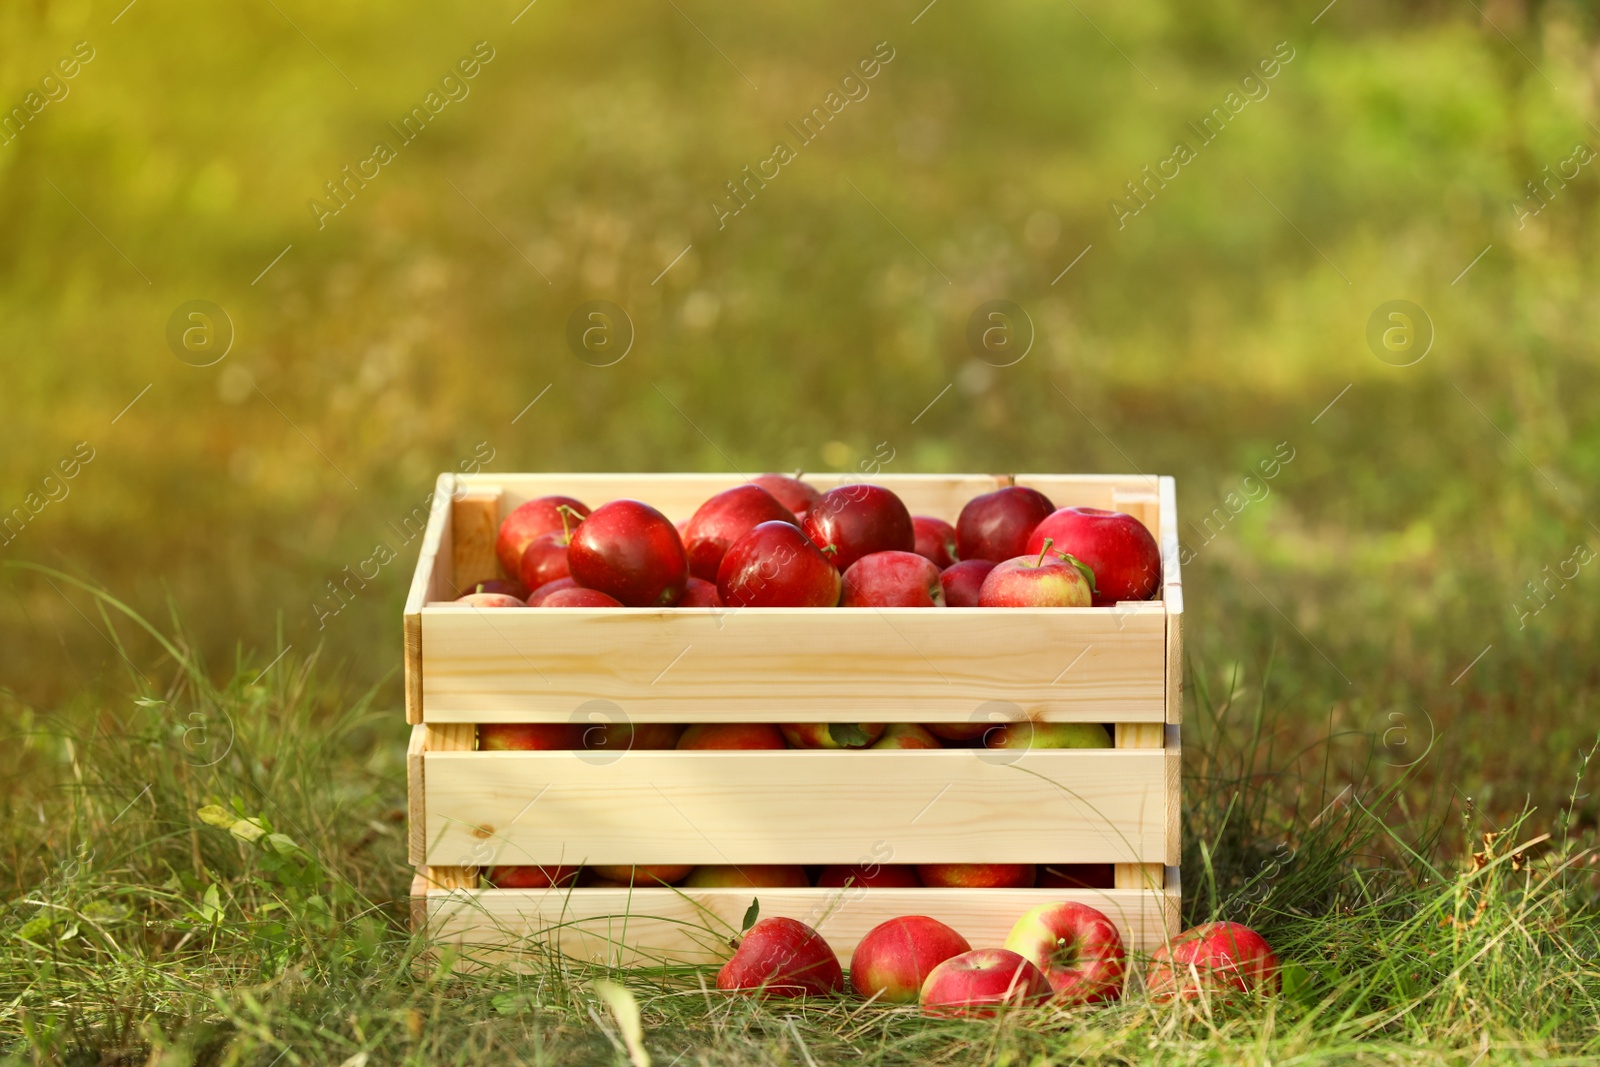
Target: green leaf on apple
848	734
751	914
1083	569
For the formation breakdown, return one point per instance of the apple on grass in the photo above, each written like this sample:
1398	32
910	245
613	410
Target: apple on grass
935	540
962	582
529	736
892	580
1077	947
782	958
528	521
579	597
490	600
531	877
1221	959
982	983
906	735
1048	580
831	734
630	551
776	566
997	525
537	597
643	875
722	520
856	520
1116	547
748	876
799	497
731	735
894	958
977	875
1030	734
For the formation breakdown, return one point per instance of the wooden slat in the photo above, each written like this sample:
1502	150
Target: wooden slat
416	828
953	805
804	664
475	520
1174	793
645	927
1146	736
419	901
423	583
678	495
1172	595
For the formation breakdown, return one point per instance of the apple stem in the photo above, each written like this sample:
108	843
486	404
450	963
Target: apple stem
566	531
1045	551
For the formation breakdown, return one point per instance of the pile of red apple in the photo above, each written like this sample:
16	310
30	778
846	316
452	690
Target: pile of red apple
776	542
794	876
1063	954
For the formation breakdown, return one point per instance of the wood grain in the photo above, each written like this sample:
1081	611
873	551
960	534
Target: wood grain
649	927
475	520
951	805
421	592
416	828
1145	736
795	664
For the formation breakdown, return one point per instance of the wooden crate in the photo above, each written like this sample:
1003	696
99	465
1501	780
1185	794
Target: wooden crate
1119	665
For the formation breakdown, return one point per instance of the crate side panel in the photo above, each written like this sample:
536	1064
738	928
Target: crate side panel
650	927
786	665
974	806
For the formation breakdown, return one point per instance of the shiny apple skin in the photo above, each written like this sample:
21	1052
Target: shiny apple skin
1117	547
630	551
776	566
527	521
996	525
856	520
722	520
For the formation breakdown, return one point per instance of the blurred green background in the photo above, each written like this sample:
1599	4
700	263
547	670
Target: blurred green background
402	338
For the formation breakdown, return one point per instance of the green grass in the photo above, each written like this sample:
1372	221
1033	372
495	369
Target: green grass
141	928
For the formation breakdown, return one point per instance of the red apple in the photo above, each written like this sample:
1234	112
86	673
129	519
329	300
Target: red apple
958	731
531	877
544	560
632	737
1077	947
906	735
996	525
630	551
699	594
536	598
508	586
856	520
935	540
650	874
977	875
894	958
1044	581
1116	547
983	982
776	566
724	519
528	521
869	875
1077	876
831	734
792	493
962	581
783	958
748	876
892	580
528	736
490	600
722	735
1213	958
578	597
1030	734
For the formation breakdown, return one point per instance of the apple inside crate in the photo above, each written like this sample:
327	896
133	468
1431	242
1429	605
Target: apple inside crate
1119	665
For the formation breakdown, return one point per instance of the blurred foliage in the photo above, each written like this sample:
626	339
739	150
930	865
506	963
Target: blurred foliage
1224	318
